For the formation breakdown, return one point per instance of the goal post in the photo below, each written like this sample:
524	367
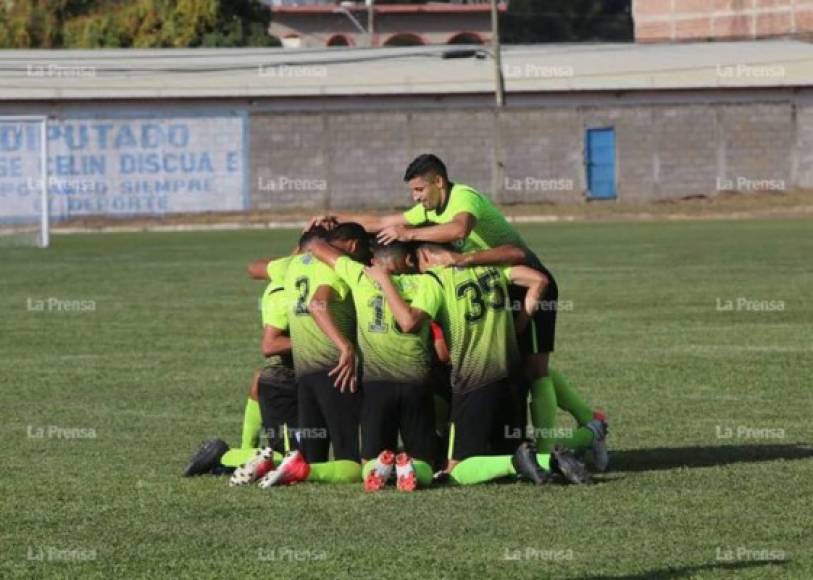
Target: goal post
24	197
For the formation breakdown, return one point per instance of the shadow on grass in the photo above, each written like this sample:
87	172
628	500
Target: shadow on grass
687	571
674	457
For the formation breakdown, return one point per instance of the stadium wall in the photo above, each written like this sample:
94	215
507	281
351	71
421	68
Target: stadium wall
337	152
667	147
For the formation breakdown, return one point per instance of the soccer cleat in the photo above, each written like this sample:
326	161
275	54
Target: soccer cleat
565	465
253	469
293	469
381	473
405	477
599	457
207	458
526	465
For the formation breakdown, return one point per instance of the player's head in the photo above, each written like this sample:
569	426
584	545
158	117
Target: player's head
352	239
315	233
428	181
395	258
429	254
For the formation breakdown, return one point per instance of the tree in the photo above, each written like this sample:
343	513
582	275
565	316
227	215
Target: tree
136	23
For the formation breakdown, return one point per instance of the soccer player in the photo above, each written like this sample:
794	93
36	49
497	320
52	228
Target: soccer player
471	305
460	215
395	372
321	321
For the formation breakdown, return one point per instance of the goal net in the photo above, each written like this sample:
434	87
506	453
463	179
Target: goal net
24	181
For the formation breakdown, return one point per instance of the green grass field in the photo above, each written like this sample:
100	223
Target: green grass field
710	414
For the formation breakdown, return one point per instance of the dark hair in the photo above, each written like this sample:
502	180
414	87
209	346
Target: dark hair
316	232
348	231
434	247
426	164
395	250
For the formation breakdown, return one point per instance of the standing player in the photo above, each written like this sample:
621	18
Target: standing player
471	306
395	372
460	215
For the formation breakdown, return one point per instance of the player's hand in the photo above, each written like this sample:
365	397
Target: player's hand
376	273
326	221
344	373
392	234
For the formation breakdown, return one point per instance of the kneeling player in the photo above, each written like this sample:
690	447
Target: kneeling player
395	372
471	307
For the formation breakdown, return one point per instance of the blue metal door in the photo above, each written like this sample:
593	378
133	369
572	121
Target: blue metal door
600	153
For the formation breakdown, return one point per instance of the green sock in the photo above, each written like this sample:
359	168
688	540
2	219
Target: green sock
569	400
423	471
252	424
543	459
481	469
582	438
341	471
543	413
237	457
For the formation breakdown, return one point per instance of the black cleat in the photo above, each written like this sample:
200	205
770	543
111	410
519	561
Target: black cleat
207	458
524	461
563	463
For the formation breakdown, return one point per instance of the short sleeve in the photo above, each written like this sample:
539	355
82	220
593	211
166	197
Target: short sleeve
464	200
325	276
273	309
276	269
429	295
416	215
349	270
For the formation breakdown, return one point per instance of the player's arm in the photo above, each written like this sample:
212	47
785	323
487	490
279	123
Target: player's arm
371	223
344	372
275	341
536	282
457	229
409	319
324	252
506	255
258	269
439	342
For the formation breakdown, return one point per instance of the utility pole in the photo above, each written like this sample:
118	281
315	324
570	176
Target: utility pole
497	57
370	21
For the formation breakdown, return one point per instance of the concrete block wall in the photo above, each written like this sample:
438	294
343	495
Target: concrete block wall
663	151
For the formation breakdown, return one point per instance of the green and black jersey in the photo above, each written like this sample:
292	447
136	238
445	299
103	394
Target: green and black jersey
491	229
272	310
313	351
472	307
387	353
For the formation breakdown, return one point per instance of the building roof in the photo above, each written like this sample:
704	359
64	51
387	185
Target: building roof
256	72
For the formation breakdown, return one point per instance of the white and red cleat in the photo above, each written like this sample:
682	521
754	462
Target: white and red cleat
406	478
254	468
293	469
378	477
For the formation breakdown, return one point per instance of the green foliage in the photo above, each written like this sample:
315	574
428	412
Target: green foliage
136	24
566	21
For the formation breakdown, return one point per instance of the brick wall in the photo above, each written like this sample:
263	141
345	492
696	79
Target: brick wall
679	20
666	151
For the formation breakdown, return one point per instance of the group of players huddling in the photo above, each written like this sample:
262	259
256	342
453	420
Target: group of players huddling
435	325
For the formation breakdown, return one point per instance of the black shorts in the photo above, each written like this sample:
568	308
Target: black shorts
487	421
540	334
327	416
389	408
279	412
